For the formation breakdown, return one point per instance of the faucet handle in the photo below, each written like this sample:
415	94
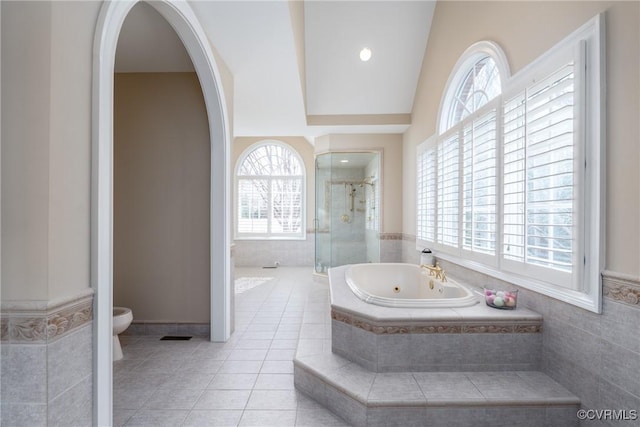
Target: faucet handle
439	272
431	268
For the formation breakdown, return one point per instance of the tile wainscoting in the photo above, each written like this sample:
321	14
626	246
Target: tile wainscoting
390	247
46	362
595	356
301	253
265	253
409	252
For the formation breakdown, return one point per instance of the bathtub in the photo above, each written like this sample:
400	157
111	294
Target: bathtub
405	285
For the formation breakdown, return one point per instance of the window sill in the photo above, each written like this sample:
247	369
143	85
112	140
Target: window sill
591	302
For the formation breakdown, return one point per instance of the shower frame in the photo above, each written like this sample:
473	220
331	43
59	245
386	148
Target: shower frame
378	192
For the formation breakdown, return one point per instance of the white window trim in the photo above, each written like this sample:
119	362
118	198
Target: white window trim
589	40
267	236
470	56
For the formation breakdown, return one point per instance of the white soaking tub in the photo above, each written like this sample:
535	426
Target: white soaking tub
405	285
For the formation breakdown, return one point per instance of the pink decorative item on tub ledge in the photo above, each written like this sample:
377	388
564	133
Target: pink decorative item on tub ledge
505	300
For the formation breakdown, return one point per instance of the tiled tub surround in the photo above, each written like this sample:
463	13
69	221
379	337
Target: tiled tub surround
595	356
364	397
590	354
47	362
476	338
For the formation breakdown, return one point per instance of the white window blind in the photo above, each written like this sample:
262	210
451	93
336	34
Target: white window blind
426	193
448	190
539	163
253	206
479	184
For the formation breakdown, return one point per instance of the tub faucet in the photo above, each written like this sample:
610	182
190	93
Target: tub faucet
436	271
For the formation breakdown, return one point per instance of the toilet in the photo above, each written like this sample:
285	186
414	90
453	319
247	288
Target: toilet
122	318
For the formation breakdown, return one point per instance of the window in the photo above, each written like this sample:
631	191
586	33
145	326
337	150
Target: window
540	172
512	184
457	169
479	85
479	179
270	193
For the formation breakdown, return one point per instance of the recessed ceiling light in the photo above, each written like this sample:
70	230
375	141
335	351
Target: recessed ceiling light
344	161
365	54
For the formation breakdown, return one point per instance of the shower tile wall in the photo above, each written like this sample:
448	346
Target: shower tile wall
348	244
372	212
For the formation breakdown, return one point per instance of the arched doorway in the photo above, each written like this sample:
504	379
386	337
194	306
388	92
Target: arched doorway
184	22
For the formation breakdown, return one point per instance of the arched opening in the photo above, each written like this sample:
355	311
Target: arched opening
182	19
161	261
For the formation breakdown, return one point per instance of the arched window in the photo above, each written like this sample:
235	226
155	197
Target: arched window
511	184
270	192
476	79
459	199
480	85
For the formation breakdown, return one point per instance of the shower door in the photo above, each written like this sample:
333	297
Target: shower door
347	209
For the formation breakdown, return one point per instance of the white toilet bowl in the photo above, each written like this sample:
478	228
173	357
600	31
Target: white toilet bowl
122	318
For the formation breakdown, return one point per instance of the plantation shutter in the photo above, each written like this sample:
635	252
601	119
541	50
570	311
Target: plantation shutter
539	173
479	185
253	205
448	184
426	193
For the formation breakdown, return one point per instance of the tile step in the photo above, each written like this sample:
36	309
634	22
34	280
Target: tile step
497	398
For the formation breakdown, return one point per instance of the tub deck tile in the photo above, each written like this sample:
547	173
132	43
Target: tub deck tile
377	396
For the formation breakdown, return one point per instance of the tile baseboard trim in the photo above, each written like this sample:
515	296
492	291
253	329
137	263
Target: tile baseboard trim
41	322
621	288
390	236
153	328
448	327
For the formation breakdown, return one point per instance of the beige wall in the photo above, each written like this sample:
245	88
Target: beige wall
47	54
304	149
46	139
73	27
392	166
161	197
525	30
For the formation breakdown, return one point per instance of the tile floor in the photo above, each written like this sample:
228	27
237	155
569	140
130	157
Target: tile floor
247	381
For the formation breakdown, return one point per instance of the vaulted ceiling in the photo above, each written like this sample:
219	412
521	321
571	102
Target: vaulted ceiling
296	65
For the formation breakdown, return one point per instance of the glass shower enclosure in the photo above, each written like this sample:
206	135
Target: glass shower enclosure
347	217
